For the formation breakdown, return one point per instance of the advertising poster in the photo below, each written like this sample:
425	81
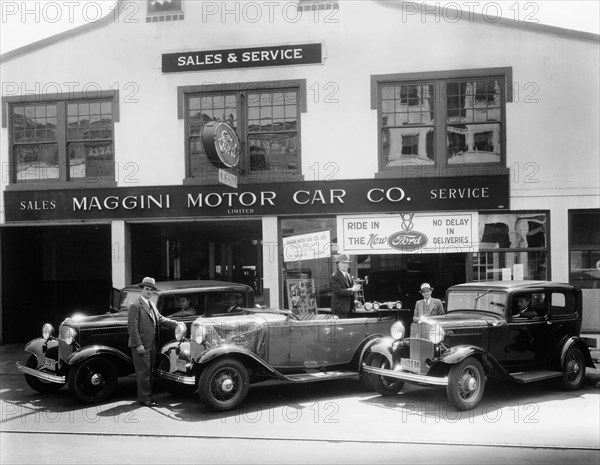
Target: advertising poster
301	295
409	233
308	246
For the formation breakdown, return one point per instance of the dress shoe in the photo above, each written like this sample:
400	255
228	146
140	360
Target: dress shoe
149	403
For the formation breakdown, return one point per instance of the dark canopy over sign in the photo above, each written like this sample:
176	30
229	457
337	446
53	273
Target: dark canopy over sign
275	55
291	198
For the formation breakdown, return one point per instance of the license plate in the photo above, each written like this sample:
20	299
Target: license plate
410	364
49	364
181	365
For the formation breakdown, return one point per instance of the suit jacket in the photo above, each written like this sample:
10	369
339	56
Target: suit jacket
435	308
342	300
141	325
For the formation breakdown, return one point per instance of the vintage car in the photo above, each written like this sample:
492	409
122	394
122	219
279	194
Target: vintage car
483	334
91	352
223	356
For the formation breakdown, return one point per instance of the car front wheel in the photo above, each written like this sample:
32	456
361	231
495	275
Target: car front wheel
223	384
573	370
384	385
93	380
466	383
38	384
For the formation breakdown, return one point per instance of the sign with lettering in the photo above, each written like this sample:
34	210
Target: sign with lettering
409	233
275	55
309	246
344	197
227	178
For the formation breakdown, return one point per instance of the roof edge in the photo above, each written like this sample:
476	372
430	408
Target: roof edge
34	46
435	9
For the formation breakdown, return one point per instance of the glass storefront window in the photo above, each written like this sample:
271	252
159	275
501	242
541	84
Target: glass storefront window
309	244
511	246
584	249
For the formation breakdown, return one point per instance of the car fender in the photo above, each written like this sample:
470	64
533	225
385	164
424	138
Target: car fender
40	346
457	354
239	353
91	351
578	342
383	346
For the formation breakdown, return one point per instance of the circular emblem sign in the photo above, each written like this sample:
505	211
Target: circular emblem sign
221	144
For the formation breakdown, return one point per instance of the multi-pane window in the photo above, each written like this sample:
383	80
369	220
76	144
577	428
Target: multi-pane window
584	249
441	122
265	120
62	141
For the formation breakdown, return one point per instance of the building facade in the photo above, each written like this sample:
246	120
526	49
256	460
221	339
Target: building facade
253	141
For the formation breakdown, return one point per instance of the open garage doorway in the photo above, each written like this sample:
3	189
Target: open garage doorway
223	250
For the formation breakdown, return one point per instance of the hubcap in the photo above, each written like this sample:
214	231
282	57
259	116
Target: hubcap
227	385
96	379
471	384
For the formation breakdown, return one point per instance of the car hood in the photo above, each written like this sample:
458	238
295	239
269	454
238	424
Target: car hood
469	319
96	321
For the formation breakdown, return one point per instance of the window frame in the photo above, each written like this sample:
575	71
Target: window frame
441	167
184	93
61	100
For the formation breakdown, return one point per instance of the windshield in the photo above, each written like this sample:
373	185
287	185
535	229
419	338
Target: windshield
482	300
129	296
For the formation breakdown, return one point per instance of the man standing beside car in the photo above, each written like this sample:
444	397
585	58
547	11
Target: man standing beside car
342	288
428	306
143	323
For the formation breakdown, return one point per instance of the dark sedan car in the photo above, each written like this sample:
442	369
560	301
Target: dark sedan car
91	352
485	333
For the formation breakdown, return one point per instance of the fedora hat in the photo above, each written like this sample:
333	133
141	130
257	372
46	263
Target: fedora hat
426	287
343	258
148	282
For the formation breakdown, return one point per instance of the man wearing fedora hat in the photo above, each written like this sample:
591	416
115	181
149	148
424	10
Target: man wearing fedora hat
143	322
428	306
342	288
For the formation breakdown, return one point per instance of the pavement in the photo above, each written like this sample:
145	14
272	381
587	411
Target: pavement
11	353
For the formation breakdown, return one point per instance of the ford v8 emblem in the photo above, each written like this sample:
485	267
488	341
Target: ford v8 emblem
221	144
408	241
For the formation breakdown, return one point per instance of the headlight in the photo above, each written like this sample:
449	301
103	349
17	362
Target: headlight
397	330
68	334
198	333
47	331
436	334
180	331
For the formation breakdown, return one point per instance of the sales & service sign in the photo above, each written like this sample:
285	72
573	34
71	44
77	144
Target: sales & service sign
277	55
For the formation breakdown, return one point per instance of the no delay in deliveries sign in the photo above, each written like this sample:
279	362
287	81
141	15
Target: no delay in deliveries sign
409	233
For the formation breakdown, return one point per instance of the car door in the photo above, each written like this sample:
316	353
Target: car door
310	341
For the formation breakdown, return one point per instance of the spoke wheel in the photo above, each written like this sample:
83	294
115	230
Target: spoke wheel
223	384
93	380
573	370
466	384
37	384
384	385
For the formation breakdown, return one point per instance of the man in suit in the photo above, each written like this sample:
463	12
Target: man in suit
143	323
428	306
342	288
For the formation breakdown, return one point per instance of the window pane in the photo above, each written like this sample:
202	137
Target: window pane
489	266
584	271
406	146
473	143
273	151
91	160
512	230
36	162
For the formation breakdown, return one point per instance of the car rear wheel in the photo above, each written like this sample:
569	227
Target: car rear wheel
93	380
223	385
384	385
466	384
573	370
37	384
172	387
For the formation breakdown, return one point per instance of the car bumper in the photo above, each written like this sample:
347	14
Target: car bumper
182	379
406	376
41	374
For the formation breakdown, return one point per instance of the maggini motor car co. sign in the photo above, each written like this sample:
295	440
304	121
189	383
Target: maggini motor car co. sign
409	233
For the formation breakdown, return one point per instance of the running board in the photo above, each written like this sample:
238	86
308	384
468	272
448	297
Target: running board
319	376
531	376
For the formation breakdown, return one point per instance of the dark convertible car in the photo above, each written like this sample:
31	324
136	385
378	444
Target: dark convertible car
91	353
484	333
